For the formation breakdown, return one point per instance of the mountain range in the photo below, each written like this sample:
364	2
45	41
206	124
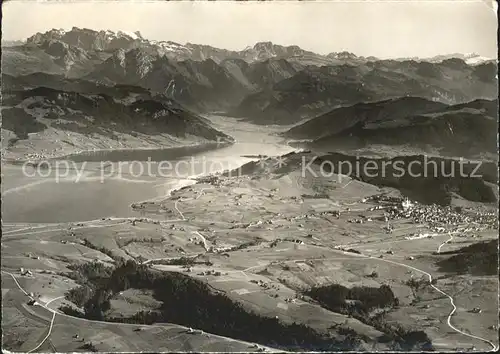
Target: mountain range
316	90
92	40
266	83
160	87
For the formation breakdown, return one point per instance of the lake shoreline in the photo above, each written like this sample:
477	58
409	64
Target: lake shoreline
63	200
207	146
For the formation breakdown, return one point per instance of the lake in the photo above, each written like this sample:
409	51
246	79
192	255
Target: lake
100	184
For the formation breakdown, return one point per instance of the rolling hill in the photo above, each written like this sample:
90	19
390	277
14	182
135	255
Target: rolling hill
465	130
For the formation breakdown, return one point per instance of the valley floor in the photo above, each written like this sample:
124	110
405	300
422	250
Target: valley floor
261	242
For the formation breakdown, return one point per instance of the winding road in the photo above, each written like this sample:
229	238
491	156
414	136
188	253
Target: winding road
54	313
445	242
452	302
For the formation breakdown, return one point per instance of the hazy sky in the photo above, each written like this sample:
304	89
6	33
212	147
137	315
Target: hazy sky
383	28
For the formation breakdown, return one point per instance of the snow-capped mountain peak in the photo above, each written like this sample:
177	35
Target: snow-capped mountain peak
88	39
133	35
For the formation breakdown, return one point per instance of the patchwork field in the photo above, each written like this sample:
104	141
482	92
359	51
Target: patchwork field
261	243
